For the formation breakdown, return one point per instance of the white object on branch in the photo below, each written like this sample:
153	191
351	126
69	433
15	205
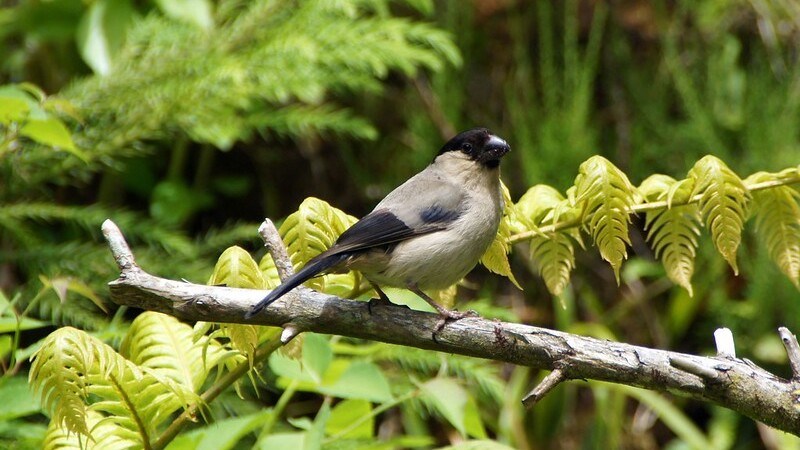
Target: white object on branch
723	337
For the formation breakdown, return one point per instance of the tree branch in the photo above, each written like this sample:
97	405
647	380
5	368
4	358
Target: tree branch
734	383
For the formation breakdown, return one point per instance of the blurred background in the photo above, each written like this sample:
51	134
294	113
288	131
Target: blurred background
189	122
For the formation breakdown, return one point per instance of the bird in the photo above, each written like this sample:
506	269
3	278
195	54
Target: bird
427	233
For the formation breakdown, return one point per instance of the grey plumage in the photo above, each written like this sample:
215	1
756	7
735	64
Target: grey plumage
428	232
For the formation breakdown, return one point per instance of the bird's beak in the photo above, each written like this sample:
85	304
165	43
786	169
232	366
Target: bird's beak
496	147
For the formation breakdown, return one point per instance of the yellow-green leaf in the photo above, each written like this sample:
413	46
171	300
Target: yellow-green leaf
57	374
553	252
555	256
777	216
269	272
312	229
606	196
723	204
236	268
672	231
496	256
49	131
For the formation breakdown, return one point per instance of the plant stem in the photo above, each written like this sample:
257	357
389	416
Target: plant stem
287	395
380	409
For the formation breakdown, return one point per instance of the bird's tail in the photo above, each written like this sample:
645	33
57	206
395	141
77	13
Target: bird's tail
310	270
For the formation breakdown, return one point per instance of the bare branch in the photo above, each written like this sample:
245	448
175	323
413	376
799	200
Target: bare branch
736	383
792	349
277	249
549	382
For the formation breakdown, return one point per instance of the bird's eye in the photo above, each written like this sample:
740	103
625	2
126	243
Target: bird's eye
467	147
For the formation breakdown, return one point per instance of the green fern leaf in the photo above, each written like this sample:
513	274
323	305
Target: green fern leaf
58	374
553	252
445	297
496	256
723	204
165	345
312	229
236	268
777	215
606	196
555	256
137	401
672	231
105	435
72	367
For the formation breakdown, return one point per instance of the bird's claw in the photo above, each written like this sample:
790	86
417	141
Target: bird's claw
381	302
446	315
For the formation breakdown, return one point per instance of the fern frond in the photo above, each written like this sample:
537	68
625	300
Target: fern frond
105	435
777	215
553	251
91	217
606	196
673	231
555	256
262	56
723	204
269	272
171	349
73	367
236	268
138	401
58	375
312	229
496	256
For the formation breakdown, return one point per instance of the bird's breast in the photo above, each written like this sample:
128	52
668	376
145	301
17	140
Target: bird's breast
439	259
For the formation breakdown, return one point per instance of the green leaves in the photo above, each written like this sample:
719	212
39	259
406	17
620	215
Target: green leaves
553	251
606	197
777	215
496	256
313	228
455	404
27	112
603	199
318	371
672	231
84	383
262	66
309	231
723	204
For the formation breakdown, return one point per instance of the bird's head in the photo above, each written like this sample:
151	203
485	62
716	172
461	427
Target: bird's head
480	145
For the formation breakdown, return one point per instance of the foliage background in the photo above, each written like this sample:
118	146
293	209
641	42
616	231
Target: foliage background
187	134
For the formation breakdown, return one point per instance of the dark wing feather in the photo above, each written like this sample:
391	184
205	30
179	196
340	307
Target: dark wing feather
378	228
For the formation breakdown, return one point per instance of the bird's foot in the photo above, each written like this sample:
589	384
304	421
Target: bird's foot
446	315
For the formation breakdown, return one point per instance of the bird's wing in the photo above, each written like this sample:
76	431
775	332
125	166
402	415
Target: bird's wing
437	204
